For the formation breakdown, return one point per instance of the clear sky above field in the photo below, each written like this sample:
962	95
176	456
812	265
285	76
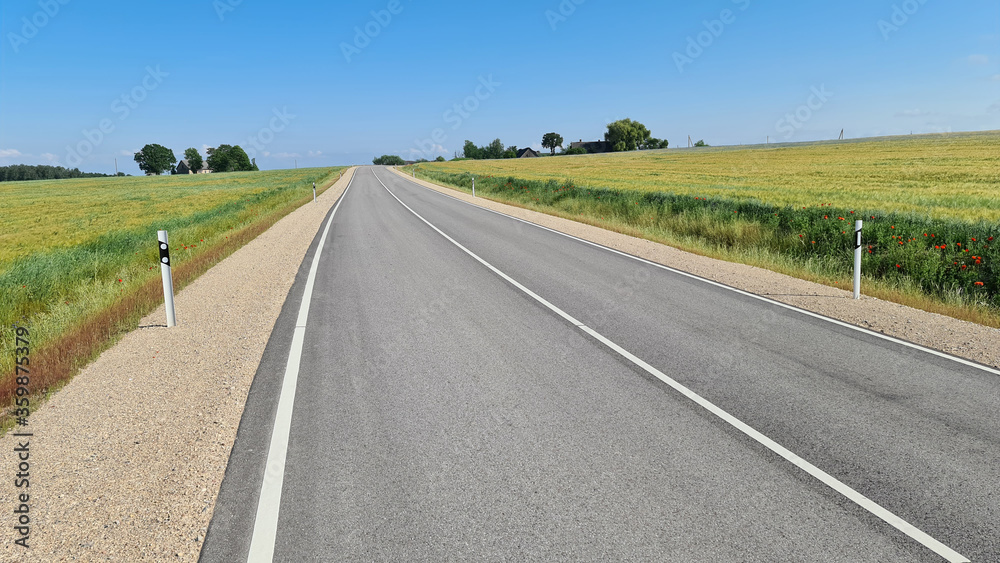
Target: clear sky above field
325	83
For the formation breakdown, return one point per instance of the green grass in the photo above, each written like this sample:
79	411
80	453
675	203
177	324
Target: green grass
937	260
82	253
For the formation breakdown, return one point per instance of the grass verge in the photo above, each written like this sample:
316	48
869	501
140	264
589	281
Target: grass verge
79	300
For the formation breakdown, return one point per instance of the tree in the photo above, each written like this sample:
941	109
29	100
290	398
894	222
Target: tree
155	159
239	159
226	158
439	159
654	143
626	135
470	150
494	149
389	160
511	152
551	141
700	144
195	163
217	159
253	165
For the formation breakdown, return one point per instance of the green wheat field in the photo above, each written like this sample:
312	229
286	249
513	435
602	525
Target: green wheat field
73	250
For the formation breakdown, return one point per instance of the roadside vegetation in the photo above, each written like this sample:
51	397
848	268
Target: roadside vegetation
79	263
931	207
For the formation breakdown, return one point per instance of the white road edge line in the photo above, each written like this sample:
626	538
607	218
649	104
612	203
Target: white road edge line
265	527
892	339
827	479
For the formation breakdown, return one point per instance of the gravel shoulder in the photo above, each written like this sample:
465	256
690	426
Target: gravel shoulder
126	460
960	338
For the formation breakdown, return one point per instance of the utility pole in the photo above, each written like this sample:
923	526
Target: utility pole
116	166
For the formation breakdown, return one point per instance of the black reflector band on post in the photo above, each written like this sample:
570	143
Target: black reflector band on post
164	253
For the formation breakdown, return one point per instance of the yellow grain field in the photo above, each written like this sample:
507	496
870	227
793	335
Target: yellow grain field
954	176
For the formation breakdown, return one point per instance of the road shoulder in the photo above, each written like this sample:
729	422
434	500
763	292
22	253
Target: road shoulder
132	452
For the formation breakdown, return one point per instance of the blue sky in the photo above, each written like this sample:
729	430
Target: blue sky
325	83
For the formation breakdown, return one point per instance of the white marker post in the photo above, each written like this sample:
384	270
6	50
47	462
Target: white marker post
314	192
857	258
473	186
168	280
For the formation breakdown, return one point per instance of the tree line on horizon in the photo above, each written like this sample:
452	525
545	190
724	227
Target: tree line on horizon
622	135
26	172
156	159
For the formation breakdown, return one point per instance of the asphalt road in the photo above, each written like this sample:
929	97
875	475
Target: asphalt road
441	413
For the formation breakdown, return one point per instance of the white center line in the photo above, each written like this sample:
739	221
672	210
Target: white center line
265	527
827	479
